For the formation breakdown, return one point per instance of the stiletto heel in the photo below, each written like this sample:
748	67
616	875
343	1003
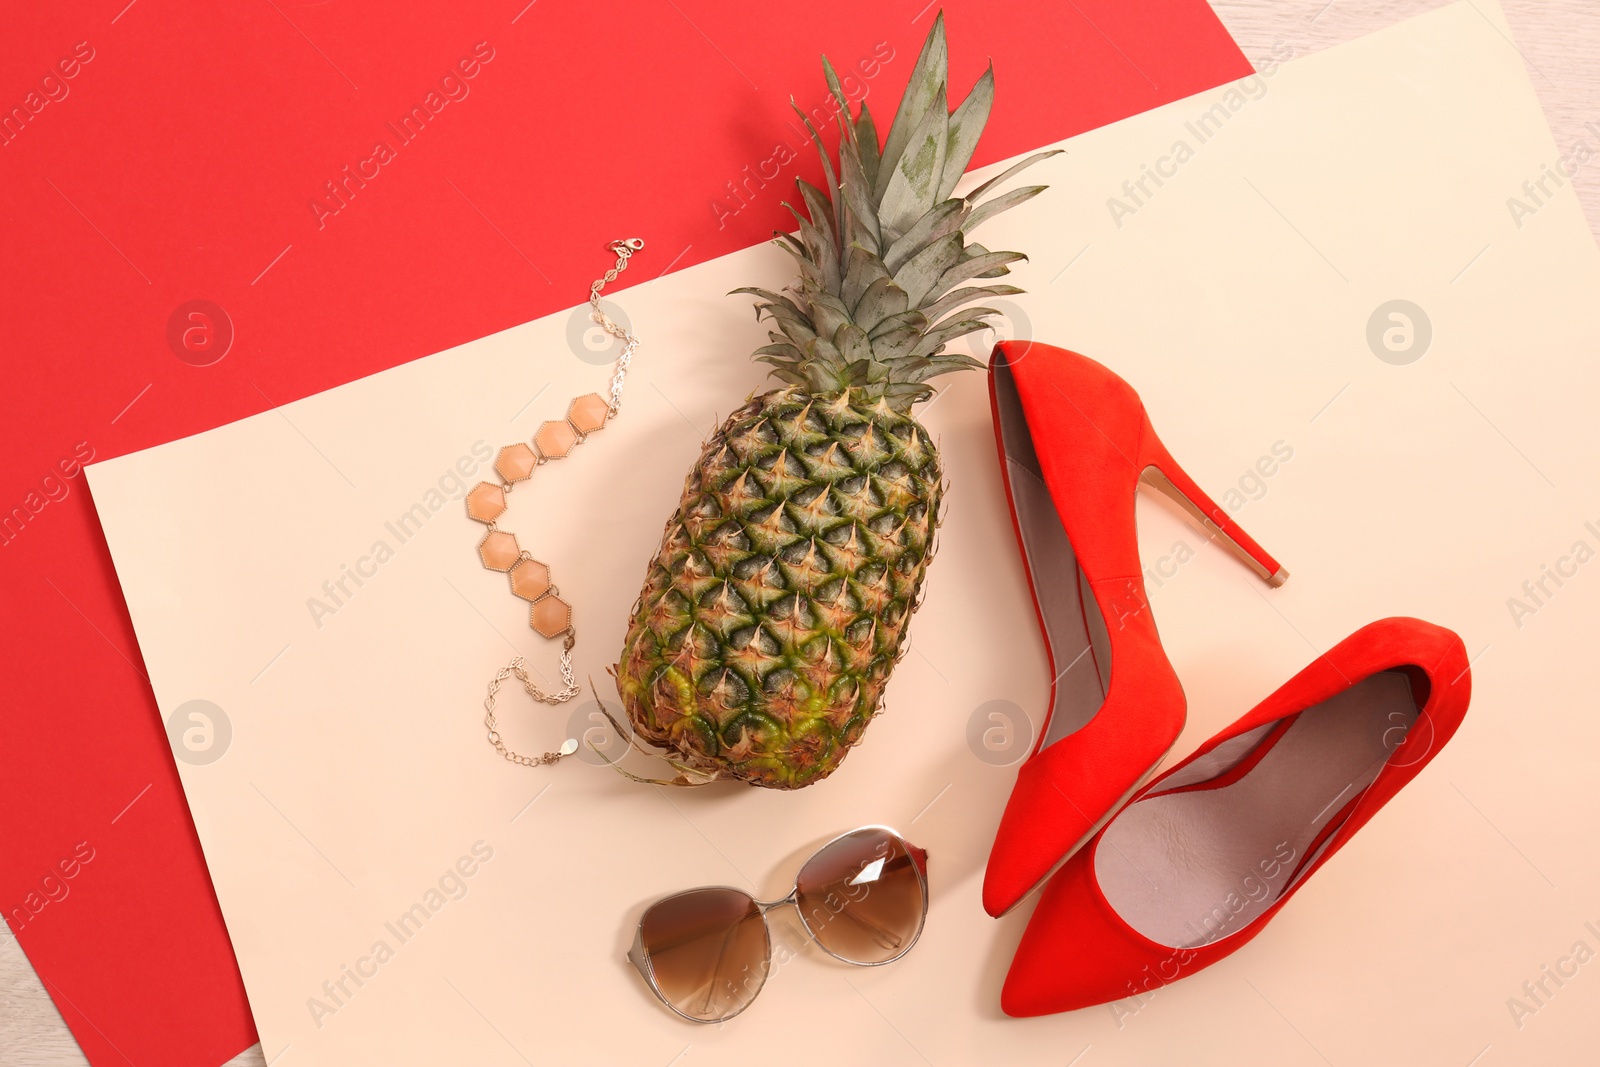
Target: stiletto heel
1163	474
1075	443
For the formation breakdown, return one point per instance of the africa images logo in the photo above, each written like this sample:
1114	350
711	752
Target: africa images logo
452	88
450	886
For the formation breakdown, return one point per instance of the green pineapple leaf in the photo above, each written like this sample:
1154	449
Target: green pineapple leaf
894	345
948	363
957	297
852	343
789	242
828	313
965	126
905	395
820	213
913	320
790	319
837	90
862	270
985	265
922	272
1011	172
990	208
927	79
942	220
861	219
781	352
881	299
935	339
827	162
788	376
913	185
867	140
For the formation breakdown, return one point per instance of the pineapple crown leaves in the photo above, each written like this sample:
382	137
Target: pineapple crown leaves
884	250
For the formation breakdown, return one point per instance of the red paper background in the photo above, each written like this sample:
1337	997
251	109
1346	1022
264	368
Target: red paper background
181	164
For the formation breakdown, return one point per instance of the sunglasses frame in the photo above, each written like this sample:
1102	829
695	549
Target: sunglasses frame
640	958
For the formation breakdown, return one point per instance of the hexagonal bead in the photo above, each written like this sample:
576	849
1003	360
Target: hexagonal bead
499	550
530	579
550	617
589	413
555	439
516	462
486	502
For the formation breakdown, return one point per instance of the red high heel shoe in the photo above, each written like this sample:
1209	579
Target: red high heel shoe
1075	443
1204	857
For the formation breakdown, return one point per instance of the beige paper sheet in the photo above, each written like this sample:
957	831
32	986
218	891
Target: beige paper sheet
351	776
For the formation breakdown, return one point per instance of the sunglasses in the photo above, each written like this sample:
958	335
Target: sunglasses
706	952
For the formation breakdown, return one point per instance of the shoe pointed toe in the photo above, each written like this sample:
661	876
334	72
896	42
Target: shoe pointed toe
1042	824
1066	792
1075	953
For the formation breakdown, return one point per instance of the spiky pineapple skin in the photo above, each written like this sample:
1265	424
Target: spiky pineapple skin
778	602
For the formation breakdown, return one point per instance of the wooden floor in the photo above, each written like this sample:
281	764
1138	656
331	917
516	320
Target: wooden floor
1560	45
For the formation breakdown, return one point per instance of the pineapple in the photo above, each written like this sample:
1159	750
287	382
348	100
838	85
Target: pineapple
777	604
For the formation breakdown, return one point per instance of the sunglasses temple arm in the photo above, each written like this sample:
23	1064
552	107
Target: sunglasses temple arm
884	937
919	856
716	969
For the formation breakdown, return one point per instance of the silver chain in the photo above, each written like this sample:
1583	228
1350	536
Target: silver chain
624	251
568	691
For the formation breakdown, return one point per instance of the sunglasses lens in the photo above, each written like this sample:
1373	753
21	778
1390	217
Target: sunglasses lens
707	951
862	897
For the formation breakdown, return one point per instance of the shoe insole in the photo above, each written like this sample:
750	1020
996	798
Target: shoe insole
1189	867
1079	647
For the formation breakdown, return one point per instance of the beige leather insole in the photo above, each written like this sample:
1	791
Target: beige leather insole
1187	868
